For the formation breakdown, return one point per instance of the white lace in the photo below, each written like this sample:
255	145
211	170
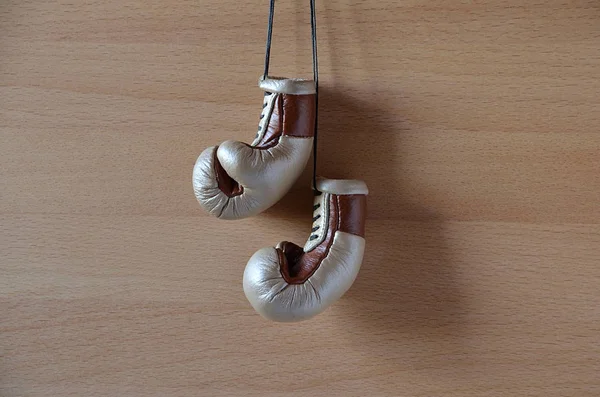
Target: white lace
320	221
265	116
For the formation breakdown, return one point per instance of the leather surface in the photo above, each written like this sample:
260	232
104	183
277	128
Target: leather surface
235	180
284	85
292	115
265	174
342	186
291	283
275	299
353	210
298	115
346	214
226	184
297	269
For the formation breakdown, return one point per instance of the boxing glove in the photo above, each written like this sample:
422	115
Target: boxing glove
293	283
235	180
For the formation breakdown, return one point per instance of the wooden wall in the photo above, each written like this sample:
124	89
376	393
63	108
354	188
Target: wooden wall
476	125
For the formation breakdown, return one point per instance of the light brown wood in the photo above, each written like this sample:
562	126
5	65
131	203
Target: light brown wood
476	125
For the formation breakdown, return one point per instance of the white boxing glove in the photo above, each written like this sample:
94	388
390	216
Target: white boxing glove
235	180
293	283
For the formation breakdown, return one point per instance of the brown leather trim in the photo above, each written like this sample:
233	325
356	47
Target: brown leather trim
299	115
298	265
292	115
281	255
353	209
226	184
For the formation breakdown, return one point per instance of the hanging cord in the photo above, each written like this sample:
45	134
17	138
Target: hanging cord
269	36
313	26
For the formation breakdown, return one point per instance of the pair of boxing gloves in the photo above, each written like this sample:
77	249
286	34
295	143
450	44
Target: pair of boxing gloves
236	180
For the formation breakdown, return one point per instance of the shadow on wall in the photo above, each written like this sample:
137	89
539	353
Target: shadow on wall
407	284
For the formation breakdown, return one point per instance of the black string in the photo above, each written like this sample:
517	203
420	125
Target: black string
313	26
269	36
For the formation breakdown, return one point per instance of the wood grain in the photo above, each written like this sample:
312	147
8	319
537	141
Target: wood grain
476	125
